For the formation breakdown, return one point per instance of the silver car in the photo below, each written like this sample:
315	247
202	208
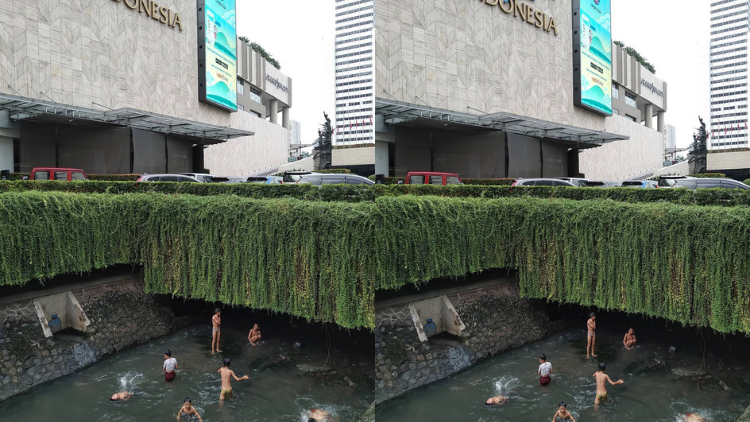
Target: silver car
167	178
543	182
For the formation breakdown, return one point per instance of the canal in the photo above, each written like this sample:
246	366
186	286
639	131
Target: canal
278	390
653	390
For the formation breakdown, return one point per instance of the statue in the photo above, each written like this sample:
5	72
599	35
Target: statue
697	155
322	146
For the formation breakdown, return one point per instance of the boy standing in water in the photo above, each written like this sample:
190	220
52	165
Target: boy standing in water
226	381
188	409
545	368
601	386
563	414
216	330
629	339
254	336
170	364
591	335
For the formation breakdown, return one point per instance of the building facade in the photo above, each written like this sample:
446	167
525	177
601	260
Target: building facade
354	72
105	86
484	89
728	74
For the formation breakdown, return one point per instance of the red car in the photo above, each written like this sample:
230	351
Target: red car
432	178
57	173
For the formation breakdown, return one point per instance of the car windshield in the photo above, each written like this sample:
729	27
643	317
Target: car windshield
666	183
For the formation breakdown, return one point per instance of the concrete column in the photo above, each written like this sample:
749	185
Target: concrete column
649	115
273	111
661	124
381	158
285	117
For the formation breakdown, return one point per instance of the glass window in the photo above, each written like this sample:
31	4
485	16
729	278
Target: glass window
708	184
416	180
241	107
615	91
61	175
255	96
354	181
240	87
630	100
545	183
77	175
616	111
169	179
41	175
436	180
452	180
730	184
332	180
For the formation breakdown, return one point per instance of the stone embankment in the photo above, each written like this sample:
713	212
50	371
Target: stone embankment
121	315
496	319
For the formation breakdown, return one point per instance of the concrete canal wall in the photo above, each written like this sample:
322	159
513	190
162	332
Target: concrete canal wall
119	314
495	317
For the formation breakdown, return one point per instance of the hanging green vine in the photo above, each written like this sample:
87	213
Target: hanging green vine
324	260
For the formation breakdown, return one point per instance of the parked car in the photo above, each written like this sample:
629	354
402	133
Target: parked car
647	184
576	181
167	178
271	180
57	173
333	179
294	176
694	183
203	177
543	182
669	181
602	184
432	178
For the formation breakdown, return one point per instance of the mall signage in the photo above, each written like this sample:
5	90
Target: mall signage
156	11
651	87
217	53
275	82
525	12
592	56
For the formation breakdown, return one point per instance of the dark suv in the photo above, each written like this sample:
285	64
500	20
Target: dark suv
318	179
694	183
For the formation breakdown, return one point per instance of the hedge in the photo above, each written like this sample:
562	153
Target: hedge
489	182
355	193
324	260
747	182
333	171
711	175
306	258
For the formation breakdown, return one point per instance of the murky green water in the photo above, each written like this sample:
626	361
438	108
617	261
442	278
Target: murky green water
652	392
276	390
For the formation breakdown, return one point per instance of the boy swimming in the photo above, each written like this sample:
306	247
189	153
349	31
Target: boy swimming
188	409
591	335
216	330
545	368
226	379
170	364
496	400
562	414
601	379
121	396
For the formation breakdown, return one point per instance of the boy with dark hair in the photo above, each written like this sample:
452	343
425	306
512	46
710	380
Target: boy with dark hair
188	409
216	330
591	335
601	386
121	396
226	379
170	364
563	414
496	400
545	368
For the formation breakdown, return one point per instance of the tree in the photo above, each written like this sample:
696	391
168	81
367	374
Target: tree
245	39
632	52
322	146
262	51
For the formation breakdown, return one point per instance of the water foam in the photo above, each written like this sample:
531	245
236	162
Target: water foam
505	385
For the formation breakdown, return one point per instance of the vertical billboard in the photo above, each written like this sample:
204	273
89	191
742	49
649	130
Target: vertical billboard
592	55
217	53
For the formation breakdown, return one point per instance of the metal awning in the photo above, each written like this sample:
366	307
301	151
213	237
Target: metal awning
22	108
396	113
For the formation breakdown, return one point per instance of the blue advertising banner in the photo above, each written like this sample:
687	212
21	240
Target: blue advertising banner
593	41
219	31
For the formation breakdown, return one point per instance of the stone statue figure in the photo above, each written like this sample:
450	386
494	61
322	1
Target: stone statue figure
698	149
323	145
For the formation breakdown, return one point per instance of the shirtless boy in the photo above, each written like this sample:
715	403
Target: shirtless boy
629	339
601	386
692	417
496	400
216	330
563	414
226	381
317	415
254	336
591	335
188	409
121	396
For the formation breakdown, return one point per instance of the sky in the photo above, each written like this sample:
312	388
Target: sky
672	34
